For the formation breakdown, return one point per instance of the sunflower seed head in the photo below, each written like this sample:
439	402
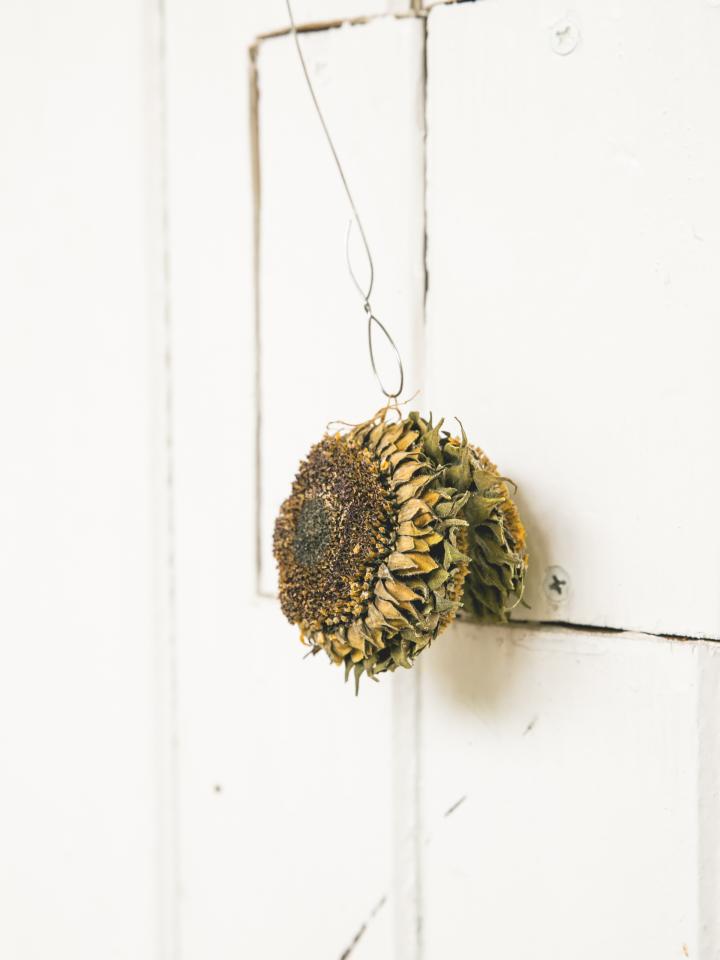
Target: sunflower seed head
388	531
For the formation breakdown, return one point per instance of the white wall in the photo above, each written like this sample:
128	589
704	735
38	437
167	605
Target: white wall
81	408
285	747
177	781
581	824
572	246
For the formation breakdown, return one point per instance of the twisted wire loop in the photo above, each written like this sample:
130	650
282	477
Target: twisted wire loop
372	319
365	292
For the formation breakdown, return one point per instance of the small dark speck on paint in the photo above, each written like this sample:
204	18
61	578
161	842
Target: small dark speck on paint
529	727
454	807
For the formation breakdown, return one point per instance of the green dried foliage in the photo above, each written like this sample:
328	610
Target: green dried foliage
389	530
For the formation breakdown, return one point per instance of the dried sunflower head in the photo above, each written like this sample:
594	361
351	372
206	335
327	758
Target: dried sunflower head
389	529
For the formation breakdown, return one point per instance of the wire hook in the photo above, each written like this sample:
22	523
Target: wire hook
372	319
365	295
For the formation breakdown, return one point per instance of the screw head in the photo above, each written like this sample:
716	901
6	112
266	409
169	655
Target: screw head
556	585
564	36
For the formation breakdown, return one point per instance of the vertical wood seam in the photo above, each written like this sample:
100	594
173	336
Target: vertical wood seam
168	943
708	800
407	703
254	112
417	718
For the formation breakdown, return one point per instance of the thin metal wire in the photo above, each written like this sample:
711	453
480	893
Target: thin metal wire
365	294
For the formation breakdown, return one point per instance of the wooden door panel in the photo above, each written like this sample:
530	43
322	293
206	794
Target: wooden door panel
287	781
569	795
82	714
573	243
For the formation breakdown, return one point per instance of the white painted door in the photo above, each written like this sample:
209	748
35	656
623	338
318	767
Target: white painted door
573	227
538	186
84	783
548	789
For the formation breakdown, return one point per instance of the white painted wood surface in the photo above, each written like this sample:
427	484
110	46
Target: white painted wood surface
270	17
573	244
585	764
81	488
286	780
247	844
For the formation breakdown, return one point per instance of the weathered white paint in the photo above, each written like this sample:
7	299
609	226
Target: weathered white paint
251	849
270	17
573	243
294	851
81	384
586	765
595	832
302	231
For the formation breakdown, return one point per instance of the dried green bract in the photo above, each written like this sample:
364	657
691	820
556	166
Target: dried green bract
389	529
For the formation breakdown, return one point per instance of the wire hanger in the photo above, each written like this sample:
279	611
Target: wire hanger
365	293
